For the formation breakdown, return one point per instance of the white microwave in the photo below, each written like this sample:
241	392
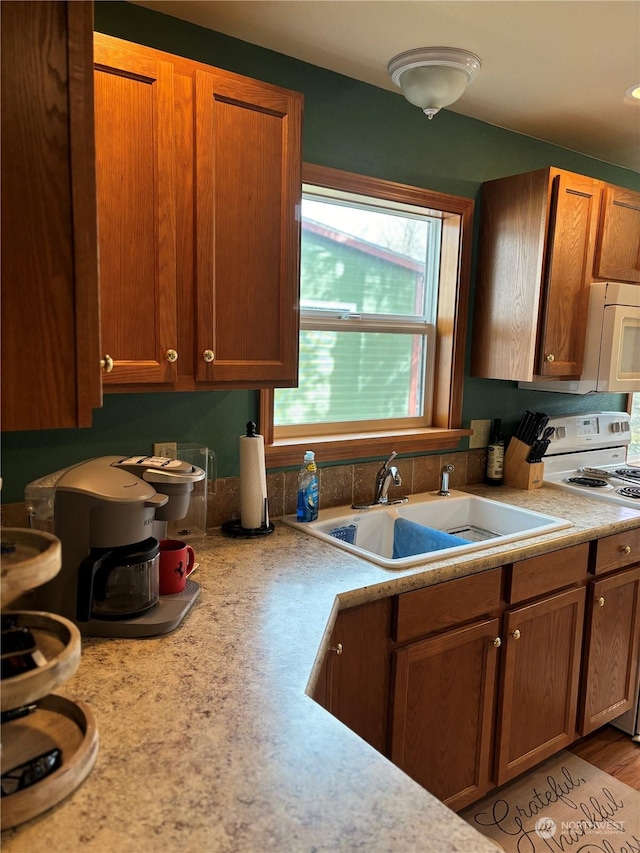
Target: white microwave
612	344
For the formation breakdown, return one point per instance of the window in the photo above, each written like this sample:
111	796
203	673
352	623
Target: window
383	293
368	299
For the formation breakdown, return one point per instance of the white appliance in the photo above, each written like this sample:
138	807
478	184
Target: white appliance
612	344
587	456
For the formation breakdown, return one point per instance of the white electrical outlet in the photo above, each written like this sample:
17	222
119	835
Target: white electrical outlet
480	437
166	449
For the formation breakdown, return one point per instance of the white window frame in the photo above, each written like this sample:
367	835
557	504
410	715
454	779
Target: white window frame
338	442
346	320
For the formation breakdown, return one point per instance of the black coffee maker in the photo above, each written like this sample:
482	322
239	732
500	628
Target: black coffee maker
109	514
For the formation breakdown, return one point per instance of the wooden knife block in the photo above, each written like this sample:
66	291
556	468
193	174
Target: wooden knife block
517	471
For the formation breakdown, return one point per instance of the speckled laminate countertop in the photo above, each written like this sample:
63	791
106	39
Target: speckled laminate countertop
208	739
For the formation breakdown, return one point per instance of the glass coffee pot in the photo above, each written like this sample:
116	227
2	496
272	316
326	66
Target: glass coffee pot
119	583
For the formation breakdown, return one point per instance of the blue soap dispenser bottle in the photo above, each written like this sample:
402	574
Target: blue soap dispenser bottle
308	497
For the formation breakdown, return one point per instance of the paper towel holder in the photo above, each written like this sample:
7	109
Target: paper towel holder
234	527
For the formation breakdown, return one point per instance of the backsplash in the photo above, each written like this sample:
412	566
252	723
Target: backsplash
347	484
339	485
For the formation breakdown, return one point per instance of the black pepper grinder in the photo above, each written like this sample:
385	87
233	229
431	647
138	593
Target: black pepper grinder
495	455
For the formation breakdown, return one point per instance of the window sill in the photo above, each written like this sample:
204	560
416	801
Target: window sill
340	448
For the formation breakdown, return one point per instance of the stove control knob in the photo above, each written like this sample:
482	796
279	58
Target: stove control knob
615	426
625	426
561	432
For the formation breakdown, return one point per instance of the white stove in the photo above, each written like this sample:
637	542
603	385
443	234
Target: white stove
587	455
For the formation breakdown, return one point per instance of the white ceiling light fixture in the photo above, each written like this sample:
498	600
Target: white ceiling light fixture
633	94
433	77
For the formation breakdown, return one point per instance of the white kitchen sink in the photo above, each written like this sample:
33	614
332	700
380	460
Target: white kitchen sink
370	533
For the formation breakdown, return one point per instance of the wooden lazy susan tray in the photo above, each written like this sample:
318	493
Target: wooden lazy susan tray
62	727
58	648
29	559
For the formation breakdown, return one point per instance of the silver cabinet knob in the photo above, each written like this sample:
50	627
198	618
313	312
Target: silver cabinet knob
337	649
550	358
601	602
497	642
171	355
516	634
208	356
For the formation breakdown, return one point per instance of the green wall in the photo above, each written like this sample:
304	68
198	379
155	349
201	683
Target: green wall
348	125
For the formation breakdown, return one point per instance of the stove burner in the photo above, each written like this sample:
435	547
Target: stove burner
592	482
629	473
629	492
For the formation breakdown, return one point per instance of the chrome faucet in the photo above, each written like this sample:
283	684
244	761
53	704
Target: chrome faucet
387	475
444	480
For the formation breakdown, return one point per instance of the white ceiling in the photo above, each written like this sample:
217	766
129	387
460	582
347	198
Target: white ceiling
557	70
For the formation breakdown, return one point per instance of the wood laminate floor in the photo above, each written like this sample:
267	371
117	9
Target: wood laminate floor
612	751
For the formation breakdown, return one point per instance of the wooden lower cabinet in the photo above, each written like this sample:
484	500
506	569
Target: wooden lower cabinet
468	683
354	684
611	649
443	701
540	679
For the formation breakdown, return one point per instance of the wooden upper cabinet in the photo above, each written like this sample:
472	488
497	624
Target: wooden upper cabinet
199	183
50	324
575	205
248	183
136	213
537	243
618	251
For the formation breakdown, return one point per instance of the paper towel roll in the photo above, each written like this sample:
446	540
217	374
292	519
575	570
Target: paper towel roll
253	482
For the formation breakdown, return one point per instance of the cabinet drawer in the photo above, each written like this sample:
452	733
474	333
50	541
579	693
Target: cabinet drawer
548	572
436	608
617	551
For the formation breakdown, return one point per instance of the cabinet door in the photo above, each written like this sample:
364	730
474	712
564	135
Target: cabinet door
442	711
50	325
575	205
539	683
611	649
535	263
354	684
136	212
618	250
248	171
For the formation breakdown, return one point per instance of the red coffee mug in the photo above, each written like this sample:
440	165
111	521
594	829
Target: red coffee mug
176	564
